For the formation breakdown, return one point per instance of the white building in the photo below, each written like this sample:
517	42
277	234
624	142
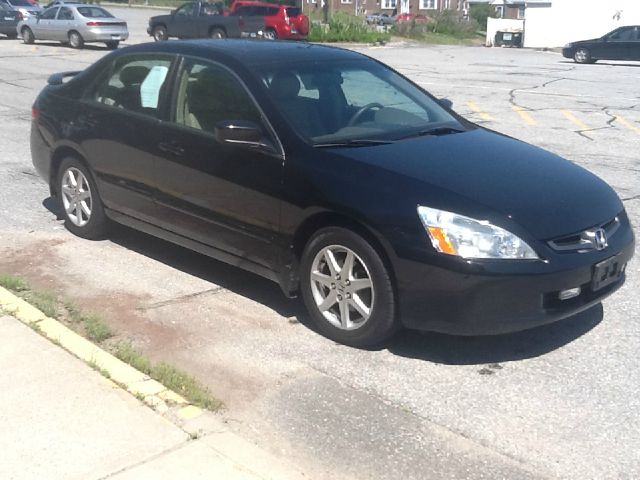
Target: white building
557	22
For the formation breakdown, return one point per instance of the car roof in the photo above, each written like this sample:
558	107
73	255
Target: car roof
248	52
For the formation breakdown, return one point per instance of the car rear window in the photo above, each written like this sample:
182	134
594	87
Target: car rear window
20	3
94	12
293	11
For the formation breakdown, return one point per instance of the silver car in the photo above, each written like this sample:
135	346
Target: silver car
74	24
26	8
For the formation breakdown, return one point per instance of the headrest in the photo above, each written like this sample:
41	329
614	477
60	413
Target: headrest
133	75
284	85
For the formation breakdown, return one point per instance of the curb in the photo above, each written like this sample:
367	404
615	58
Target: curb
155	395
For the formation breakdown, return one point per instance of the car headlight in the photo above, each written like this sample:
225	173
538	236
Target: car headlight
466	237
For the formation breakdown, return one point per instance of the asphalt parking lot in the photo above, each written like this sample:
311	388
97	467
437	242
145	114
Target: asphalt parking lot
559	402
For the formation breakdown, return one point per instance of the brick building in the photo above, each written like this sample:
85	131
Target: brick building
363	7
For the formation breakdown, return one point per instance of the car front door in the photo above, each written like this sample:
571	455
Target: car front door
42	27
120	131
222	195
618	44
182	22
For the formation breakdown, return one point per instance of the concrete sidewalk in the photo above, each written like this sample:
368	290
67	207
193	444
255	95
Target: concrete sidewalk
60	419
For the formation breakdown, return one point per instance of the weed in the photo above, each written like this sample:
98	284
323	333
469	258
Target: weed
105	373
13	283
43	300
170	376
95	328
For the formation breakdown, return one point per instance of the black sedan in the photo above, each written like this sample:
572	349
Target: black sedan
335	176
9	19
621	44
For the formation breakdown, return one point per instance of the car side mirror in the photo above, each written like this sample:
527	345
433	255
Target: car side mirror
446	103
242	133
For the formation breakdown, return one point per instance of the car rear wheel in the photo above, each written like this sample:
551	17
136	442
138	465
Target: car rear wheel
270	34
582	55
27	35
347	288
217	33
160	33
75	39
79	200
112	45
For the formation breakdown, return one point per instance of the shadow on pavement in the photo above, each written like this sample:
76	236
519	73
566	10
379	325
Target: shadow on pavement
456	350
428	346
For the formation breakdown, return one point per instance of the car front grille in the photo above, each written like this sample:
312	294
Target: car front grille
595	238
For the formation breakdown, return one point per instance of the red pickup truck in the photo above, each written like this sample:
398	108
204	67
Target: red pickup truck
281	21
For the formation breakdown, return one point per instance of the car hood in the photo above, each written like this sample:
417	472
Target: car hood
491	176
582	42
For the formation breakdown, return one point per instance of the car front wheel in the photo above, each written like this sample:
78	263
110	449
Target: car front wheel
347	288
79	200
582	55
27	35
160	33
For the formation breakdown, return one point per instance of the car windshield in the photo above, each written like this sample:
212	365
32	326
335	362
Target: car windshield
328	103
94	12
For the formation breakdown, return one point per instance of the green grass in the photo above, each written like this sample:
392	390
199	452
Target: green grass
96	329
13	283
170	376
99	369
43	300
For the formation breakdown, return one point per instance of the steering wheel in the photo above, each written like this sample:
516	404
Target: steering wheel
360	112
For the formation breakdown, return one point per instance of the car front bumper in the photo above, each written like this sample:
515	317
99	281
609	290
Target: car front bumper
568	52
484	300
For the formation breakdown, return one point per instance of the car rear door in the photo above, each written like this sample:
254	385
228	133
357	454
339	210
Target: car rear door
120	131
221	195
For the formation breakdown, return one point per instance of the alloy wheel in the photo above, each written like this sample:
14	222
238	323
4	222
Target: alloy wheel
76	197
342	287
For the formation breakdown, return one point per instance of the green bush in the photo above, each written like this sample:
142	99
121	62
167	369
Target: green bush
480	12
346	28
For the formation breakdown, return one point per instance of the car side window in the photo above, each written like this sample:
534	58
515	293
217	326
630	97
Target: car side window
49	14
65	14
135	84
186	10
622	35
208	94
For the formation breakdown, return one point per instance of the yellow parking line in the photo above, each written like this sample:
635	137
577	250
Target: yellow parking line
627	124
528	119
576	121
483	115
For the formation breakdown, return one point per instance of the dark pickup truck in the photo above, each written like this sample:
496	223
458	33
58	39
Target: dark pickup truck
203	20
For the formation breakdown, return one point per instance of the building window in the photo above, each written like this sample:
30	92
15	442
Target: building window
500	11
428	4
389	4
521	11
346	1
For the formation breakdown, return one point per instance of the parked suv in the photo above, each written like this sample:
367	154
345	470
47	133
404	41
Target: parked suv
281	21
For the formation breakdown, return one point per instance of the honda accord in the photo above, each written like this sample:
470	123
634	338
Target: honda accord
336	177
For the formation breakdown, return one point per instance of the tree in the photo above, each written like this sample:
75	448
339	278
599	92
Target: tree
480	12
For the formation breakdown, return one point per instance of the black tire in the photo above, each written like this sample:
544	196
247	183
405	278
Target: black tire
381	323
97	225
270	34
113	44
27	35
582	55
217	33
75	39
160	33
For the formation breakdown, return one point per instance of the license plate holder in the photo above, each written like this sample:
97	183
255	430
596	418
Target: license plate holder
607	272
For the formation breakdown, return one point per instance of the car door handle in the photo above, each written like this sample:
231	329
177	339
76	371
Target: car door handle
171	147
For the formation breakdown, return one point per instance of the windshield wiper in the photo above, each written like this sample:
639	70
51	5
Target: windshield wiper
361	142
437	131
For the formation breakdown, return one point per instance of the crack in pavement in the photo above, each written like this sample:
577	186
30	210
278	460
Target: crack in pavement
628	199
180	299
